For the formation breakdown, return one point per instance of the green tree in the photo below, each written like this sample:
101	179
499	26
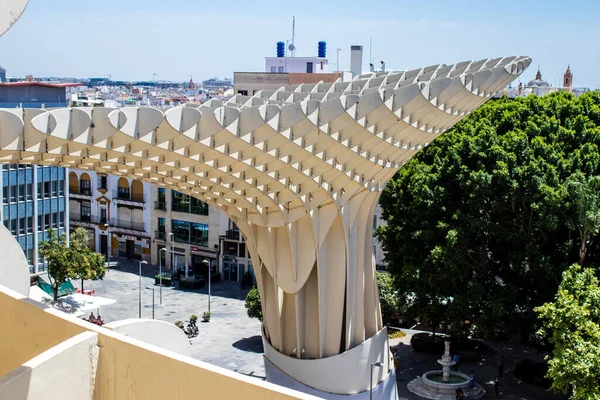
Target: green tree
483	221
253	305
58	256
585	196
387	297
74	261
572	324
87	263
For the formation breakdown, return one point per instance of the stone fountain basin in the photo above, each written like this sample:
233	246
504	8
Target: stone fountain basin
442	387
428	388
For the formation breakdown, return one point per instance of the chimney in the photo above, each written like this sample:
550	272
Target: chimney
383	66
356	53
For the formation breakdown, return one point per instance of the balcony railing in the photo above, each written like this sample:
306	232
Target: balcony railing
232	234
160	235
128	196
131	225
191	209
160	205
87	218
195	240
80	190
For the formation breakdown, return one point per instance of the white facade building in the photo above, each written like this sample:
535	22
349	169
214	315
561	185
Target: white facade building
116	211
303	65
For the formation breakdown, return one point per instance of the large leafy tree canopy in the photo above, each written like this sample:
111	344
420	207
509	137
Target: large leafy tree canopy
572	322
481	223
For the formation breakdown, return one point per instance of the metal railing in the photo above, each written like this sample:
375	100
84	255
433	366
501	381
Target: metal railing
80	190
160	205
232	234
195	240
190	209
129	196
132	225
160	235
87	218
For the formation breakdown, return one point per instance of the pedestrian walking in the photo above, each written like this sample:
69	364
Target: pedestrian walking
456	359
497	386
501	366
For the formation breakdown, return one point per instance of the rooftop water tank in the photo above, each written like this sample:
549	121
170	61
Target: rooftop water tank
322	49
280	49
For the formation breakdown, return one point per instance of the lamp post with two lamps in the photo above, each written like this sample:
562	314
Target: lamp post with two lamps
140	290
107	226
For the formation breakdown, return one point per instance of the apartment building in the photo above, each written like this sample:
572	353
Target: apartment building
188	230
33	200
233	254
115	210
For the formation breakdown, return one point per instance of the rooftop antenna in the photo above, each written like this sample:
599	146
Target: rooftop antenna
370	50
292	47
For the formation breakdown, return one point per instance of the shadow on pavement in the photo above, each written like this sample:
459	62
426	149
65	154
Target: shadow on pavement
253	344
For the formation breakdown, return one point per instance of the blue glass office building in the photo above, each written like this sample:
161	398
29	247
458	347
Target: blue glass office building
33	200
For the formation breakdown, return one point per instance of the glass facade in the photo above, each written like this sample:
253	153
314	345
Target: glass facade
190	232
184	203
33	200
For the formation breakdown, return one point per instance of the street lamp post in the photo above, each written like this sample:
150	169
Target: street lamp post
375	364
107	226
160	274
140	290
150	287
209	279
172	250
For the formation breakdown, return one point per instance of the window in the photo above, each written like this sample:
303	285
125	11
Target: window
13	193
47	189
54	220
309	67
123	193
242	250
61	187
85	186
40	190
21	226
5	194
280	69
30	256
181	231
6	223
102	182
243	92
54	188
29	224
61	219
40	224
161	225
47	220
21	192
29	191
199	234
86	211
103	216
13	226
273	68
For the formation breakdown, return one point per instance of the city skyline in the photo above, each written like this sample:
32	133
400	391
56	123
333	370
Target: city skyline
130	43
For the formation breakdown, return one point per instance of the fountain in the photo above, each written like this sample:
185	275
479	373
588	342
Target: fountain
442	385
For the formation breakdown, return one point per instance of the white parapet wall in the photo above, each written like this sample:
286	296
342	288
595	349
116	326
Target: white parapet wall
14	270
158	333
65	371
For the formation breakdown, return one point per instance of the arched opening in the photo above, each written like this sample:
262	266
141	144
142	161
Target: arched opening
73	182
123	191
137	191
85	184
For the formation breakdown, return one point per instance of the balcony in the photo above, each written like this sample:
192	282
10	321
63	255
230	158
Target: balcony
190	208
75	217
129	225
128	198
232	234
195	240
160	206
80	193
160	235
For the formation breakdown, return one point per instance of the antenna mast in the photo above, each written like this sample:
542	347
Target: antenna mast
293	36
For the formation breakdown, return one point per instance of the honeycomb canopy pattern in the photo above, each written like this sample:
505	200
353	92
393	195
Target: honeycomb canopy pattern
300	171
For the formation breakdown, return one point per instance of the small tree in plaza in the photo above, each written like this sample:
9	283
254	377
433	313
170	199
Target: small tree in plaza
88	264
253	305
76	261
572	324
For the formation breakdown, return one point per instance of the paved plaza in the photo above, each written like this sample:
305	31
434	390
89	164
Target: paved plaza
231	339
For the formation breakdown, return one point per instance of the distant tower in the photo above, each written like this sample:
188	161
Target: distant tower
568	80
2	74
191	84
538	75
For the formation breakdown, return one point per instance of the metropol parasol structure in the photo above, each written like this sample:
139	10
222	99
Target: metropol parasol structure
300	171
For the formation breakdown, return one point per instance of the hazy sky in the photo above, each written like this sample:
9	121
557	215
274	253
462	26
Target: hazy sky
131	39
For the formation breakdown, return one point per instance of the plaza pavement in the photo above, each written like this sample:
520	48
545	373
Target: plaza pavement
231	339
